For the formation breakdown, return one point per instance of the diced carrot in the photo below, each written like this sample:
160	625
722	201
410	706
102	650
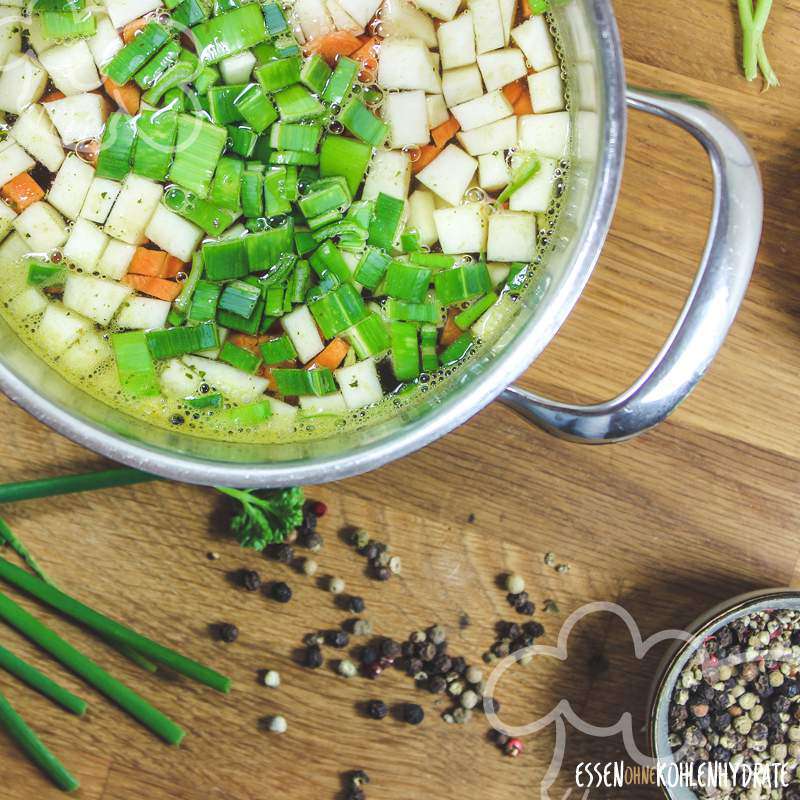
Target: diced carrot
246	341
51	96
451	331
426	154
525	9
512	91
22	191
154	287
333	45
132	28
443	133
172	266
127	96
331	356
366	55
148	262
523	104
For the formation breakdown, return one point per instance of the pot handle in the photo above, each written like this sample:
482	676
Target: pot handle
713	301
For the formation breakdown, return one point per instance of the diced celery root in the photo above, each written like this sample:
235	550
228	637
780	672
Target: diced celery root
449	174
462	229
512	236
71	185
389	173
462	84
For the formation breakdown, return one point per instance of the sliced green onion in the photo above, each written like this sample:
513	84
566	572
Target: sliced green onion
42	274
409	241
137	373
315	73
250	325
212	219
265	248
222	103
273	301
181	304
301	278
227	183
369	336
276	351
241	140
173	342
239	357
247	416
204	302
198	147
293	158
457	350
399	310
155	67
274	19
428	340
256	108
116	147
361	212
190	13
59	25
433	261
323	196
240	298
342	80
155	140
327	258
471	314
407	282
275	200
131	58
211	400
372	267
363	124
337	310
174	79
278	74
522	172
346	157
230	33
292	136
350	236
405	350
207	77
296	103
252	193
462	283
385	221
296	382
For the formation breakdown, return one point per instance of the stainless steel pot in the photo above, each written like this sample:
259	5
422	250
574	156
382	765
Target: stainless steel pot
597	86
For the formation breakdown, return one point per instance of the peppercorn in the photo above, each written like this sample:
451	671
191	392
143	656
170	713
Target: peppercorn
515	583
284	553
469	699
377	709
250	579
310	566
474	675
534	629
372	670
526	608
319	508
228	632
369	654
513	748
347	668
281	592
336	586
337	639
360	538
371	551
437	684
358	778
309	519
437	634
498	737
458	665
395	565
413	714
362	627
314	542
278	725
390	649
313	657
272	679
383	573
414	666
441	664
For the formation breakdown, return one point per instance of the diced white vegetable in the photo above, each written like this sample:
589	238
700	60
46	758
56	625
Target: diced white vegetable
100	199
106	42
483	110
11	24
7	217
116	259
498	135
135	204
124	11
461	85
12	250
341	19
420	216
22	82
508	12
78	117
462	229
495	320
435	60
28	302
281	410
501	67
60	328
327	404
437	110
547	91
449	174
359	383
71	67
174	234
85	244
95	298
512	236
13	161
42	227
86	355
232	382
493	172
536	194
401	18
313	18
71	185
302	330
545	134
533	38
440	9
237	68
457	42
404	64
498	272
389	173
586	78
34	131
407	116
178	379
36	38
362	11
487	22
143	313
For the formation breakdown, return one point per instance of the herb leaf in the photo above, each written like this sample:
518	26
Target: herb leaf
265	516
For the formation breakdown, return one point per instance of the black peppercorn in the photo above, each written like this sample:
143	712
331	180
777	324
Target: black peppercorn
309	519
515	599
377	709
720	754
337	639
390	649
284	553
371	551
790	688
499	738
414	666
313	541
781	703
719	721
383	573
281	592
369	654
458	665
427	651
442	664
250	579
356	605
228	632
437	684
534	629
413	714
526	608
313	657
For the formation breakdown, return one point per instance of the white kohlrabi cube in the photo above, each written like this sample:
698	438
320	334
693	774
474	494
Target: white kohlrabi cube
36	38
95	298
533	38
420	216
493	172
508	13
462	229
85	245
237	68
407	116
60	328
536	194
143	313
28	302
11	24
449	174
34	131
462	84
7	217
313	18
71	185
401	18
498	272
106	42
116	259
483	110
178	379
389	173
22	82
78	117
440	9
281	412
302	330
341	19
437	110
71	67
135	205
359	383
487	22
327	404
457	42
100	199
362	11
545	134
512	236
500	135
86	355
13	161
233	383
501	67
41	227
405	64
547	91
124	11
174	234
435	60
12	250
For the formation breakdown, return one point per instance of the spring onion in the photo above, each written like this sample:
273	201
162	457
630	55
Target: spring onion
116	147
43	275
155	67
399	310
369	336
457	350
407	282
61	25
155	139
754	53
137	373
296	103
212	219
405	350
246	416
342	80
301	278
524	169
242	140
428	339
278	74
473	312
298	382
198	147
274	19
173	342
222	103
131	58
225	259
363	124
338	310
252	193
255	108
462	283
230	33
250	325
315	73
276	351
239	298
239	357
433	261
204	302
226	183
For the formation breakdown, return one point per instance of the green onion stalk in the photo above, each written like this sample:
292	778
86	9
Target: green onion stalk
754	54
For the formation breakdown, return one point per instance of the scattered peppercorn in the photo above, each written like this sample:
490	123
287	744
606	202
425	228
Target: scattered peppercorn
284	553
377	709
515	583
336	585
310	566
278	724
562	568
437	634
272	679
250	579
362	627
212	556
549	559
413	713
313	656
395	565
319	508
526	608
360	538
383	573
347	668
337	639
313	542
356	605
228	632
281	592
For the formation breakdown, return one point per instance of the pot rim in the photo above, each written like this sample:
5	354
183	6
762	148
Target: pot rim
506	367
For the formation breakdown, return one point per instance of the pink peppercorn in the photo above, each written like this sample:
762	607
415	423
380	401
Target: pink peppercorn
319	508
514	747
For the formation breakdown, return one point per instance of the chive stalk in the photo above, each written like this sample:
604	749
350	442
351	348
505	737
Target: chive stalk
69	484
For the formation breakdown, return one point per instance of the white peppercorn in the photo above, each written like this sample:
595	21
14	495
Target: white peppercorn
336	586
278	724
515	583
347	668
310	566
474	675
747	700
462	715
755	713
272	678
469	699
395	565
794	733
743	725
455	688
437	634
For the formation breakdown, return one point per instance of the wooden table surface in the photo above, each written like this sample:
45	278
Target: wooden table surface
699	510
